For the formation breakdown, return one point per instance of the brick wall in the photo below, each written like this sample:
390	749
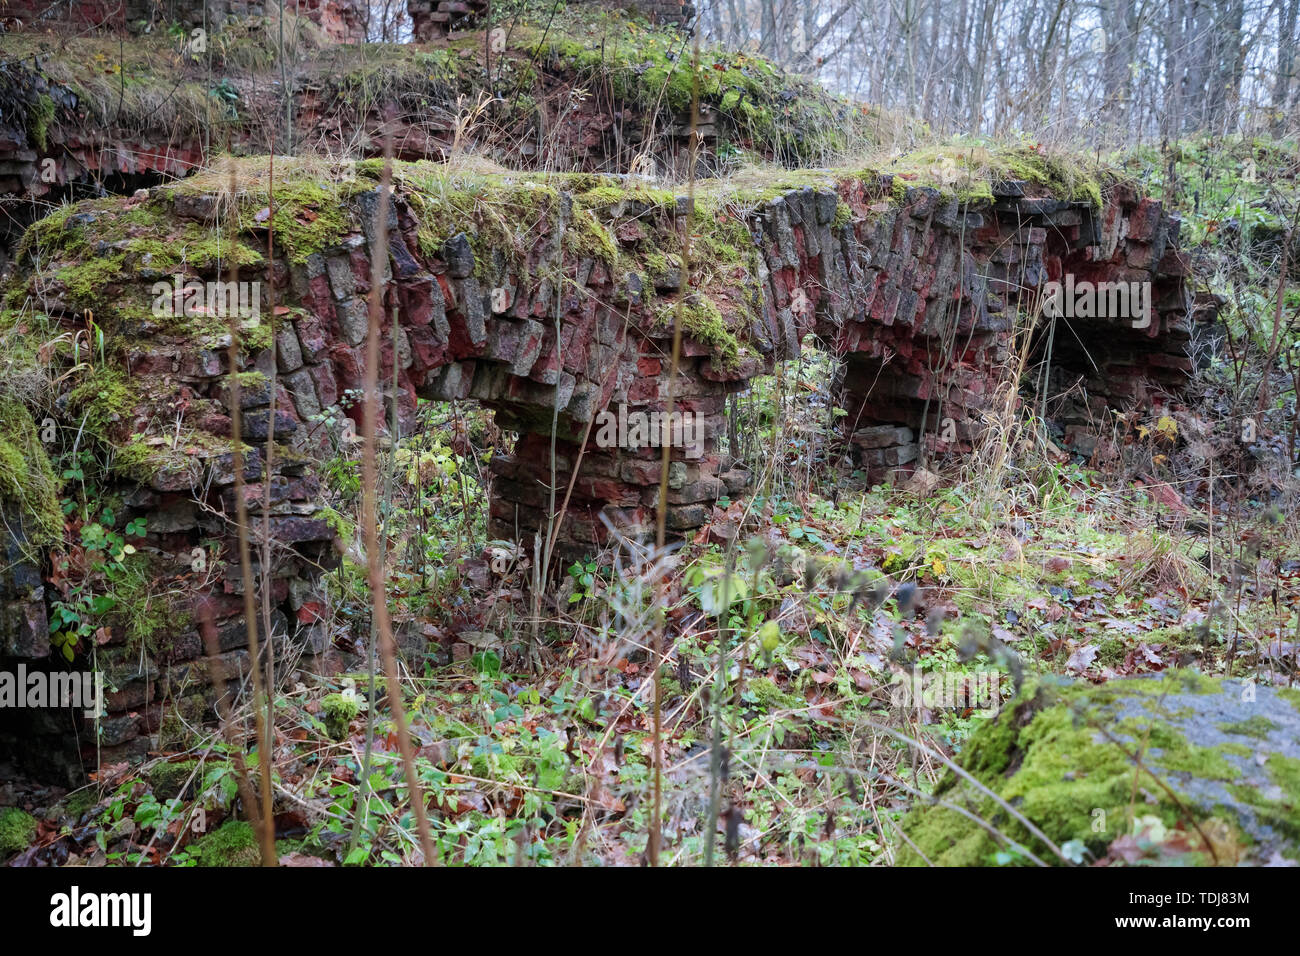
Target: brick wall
341	20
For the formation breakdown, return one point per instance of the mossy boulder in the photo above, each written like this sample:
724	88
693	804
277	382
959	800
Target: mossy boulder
170	780
16	830
1170	768
234	843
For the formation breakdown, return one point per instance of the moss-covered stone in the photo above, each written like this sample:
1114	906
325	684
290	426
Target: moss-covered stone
703	321
168	780
80	801
39	118
306	203
1254	726
340	710
968	171
148	615
1067	756
234	843
101	400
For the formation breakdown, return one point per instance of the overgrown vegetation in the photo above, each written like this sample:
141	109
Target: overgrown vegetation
774	656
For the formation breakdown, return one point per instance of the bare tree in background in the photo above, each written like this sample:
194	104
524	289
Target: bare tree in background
1110	72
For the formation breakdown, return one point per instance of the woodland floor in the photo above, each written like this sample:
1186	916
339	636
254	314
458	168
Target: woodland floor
534	720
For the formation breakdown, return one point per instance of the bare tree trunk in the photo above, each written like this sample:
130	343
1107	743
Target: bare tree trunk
767	29
983	42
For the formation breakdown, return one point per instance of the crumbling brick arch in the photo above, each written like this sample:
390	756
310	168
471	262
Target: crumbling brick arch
549	300
1113	358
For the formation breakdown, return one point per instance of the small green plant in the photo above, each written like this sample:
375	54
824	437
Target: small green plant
86	598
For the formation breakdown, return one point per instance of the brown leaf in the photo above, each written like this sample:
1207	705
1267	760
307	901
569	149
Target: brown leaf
1082	658
303	859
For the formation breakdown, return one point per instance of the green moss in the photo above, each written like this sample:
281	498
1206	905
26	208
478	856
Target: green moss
80	801
86	282
309	217
142	458
1256	726
168	779
340	710
967	169
1291	694
1191	682
1049	755
150	619
1285	772
1278	808
588	238
311	212
703	321
339	523
27	478
191	247
602	192
17	829
39	119
232	844
843	215
50	234
138	461
502	215
768	695
1176	754
758	106
102	401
